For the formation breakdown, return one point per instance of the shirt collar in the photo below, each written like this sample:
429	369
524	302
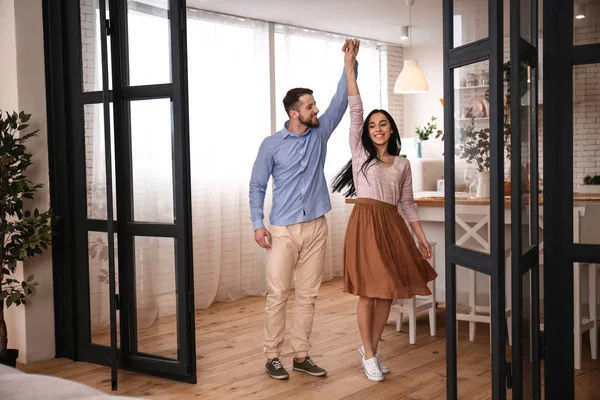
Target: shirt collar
285	132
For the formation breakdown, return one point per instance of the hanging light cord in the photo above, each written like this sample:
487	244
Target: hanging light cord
410	29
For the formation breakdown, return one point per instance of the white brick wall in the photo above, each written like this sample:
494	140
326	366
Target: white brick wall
391	59
586	113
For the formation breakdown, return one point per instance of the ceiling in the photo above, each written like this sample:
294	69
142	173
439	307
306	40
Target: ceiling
380	20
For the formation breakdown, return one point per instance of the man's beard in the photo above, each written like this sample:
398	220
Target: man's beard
309	122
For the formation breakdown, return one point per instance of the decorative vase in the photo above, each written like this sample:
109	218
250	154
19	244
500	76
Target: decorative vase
483	185
418	150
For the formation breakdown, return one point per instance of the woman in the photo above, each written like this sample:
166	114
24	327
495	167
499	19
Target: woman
381	259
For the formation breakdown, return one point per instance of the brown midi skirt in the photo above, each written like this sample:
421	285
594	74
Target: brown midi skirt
381	259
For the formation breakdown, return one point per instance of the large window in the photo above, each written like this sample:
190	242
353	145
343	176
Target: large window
230	113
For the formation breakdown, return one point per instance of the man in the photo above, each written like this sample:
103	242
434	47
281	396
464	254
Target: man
295	157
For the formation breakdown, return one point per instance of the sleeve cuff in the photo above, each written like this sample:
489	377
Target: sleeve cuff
257	224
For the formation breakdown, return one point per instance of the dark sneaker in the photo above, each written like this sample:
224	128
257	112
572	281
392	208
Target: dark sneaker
309	366
276	370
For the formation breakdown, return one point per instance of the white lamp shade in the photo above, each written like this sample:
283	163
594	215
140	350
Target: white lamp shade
404	32
411	79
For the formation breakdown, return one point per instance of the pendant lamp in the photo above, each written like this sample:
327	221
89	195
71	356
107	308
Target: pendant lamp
411	80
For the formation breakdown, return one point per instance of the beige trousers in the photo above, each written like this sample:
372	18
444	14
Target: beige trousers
299	247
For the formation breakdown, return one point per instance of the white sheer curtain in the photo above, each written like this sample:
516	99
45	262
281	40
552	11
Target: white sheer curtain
229	117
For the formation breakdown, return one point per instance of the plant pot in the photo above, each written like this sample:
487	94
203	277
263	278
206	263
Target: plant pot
10	358
418	153
483	185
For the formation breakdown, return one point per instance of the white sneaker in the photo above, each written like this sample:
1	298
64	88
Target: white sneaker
372	370
384	369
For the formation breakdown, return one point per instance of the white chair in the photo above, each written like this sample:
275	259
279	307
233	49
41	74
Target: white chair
415	305
581	323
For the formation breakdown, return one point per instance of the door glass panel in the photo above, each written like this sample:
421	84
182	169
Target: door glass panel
91	50
526	336
95	161
526	19
524	99
586	26
99	287
152	160
471	21
156	297
149	36
473	350
586	153
472	156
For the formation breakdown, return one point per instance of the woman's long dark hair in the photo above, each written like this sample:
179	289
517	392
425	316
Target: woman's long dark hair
344	178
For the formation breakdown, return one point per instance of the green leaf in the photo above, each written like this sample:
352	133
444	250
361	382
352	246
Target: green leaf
21	127
25	117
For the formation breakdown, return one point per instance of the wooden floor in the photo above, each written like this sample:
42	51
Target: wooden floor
230	360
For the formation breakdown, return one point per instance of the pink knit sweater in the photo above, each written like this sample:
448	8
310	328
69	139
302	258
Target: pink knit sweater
391	184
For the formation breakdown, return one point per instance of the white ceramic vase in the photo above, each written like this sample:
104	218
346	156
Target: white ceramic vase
483	185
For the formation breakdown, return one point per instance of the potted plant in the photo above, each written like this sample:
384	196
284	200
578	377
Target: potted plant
474	146
422	135
24	234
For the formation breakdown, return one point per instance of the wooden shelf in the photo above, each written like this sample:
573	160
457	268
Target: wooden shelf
476	119
472	87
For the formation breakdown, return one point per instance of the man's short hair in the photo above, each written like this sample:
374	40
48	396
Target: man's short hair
292	97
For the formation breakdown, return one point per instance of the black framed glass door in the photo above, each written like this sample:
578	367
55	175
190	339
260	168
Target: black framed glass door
477	140
474	149
525	293
572	239
125	112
